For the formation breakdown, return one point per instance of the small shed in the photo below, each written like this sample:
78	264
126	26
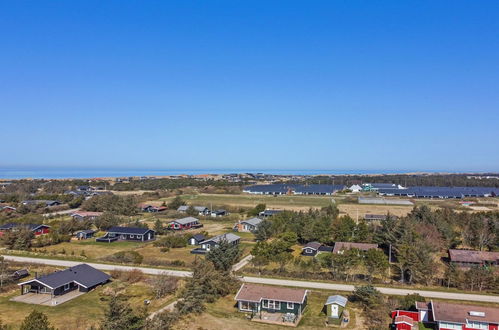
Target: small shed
196	239
335	306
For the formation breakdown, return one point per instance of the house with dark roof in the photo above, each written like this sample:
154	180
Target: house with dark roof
377	217
184	223
35	228
84	234
47	203
219	213
153	208
133	234
196	239
469	258
272	304
269	213
341	247
312	249
211	243
249	225
82	278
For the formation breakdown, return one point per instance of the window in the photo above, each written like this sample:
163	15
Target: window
66	287
477	325
246	306
131	236
291	305
447	325
271	304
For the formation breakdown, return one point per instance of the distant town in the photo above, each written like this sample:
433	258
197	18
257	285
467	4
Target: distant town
253	251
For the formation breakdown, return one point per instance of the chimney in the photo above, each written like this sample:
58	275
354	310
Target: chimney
36	274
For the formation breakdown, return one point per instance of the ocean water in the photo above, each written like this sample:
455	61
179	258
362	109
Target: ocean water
66	173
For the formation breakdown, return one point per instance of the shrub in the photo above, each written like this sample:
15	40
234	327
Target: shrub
132	257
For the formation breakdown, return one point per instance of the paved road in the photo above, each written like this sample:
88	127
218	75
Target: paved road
60	212
271	281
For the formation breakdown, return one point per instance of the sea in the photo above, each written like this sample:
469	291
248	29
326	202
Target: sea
12	173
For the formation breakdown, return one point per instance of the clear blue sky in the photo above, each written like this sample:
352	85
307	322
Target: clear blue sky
250	84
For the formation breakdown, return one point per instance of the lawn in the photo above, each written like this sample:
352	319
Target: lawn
223	314
92	249
84	311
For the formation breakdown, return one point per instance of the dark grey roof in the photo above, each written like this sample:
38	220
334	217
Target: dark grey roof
281	188
129	230
29	226
83	274
442	192
86	231
199	237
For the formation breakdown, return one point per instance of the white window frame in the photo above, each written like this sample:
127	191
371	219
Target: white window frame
271	304
247	305
450	325
66	287
290	305
131	236
476	325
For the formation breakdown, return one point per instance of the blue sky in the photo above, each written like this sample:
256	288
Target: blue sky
410	85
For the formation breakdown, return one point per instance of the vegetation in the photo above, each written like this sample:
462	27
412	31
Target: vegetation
120	316
124	205
36	321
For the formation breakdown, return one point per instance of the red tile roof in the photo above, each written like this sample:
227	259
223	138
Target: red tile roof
256	292
449	312
473	256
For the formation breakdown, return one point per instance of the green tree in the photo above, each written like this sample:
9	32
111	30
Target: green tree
343	229
120	316
158	227
376	263
36	321
224	255
176	203
368	296
263	231
256	210
408	302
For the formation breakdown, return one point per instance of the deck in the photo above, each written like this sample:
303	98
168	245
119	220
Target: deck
275	318
46	299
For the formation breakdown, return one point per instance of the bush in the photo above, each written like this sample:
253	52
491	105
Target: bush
172	241
132	276
131	257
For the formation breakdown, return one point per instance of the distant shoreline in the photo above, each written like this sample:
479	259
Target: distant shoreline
11	173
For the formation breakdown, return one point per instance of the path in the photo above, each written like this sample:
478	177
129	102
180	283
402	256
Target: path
271	281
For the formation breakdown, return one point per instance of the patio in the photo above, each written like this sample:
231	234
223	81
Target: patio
46	299
275	318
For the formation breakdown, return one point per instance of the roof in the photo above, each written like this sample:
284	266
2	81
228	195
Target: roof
421	305
229	237
404	319
198	237
253	221
339	300
86	214
473	256
368	216
280	188
312	245
200	208
340	246
185	221
129	230
83	274
449	312
257	292
442	192
183	208
30	226
86	231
